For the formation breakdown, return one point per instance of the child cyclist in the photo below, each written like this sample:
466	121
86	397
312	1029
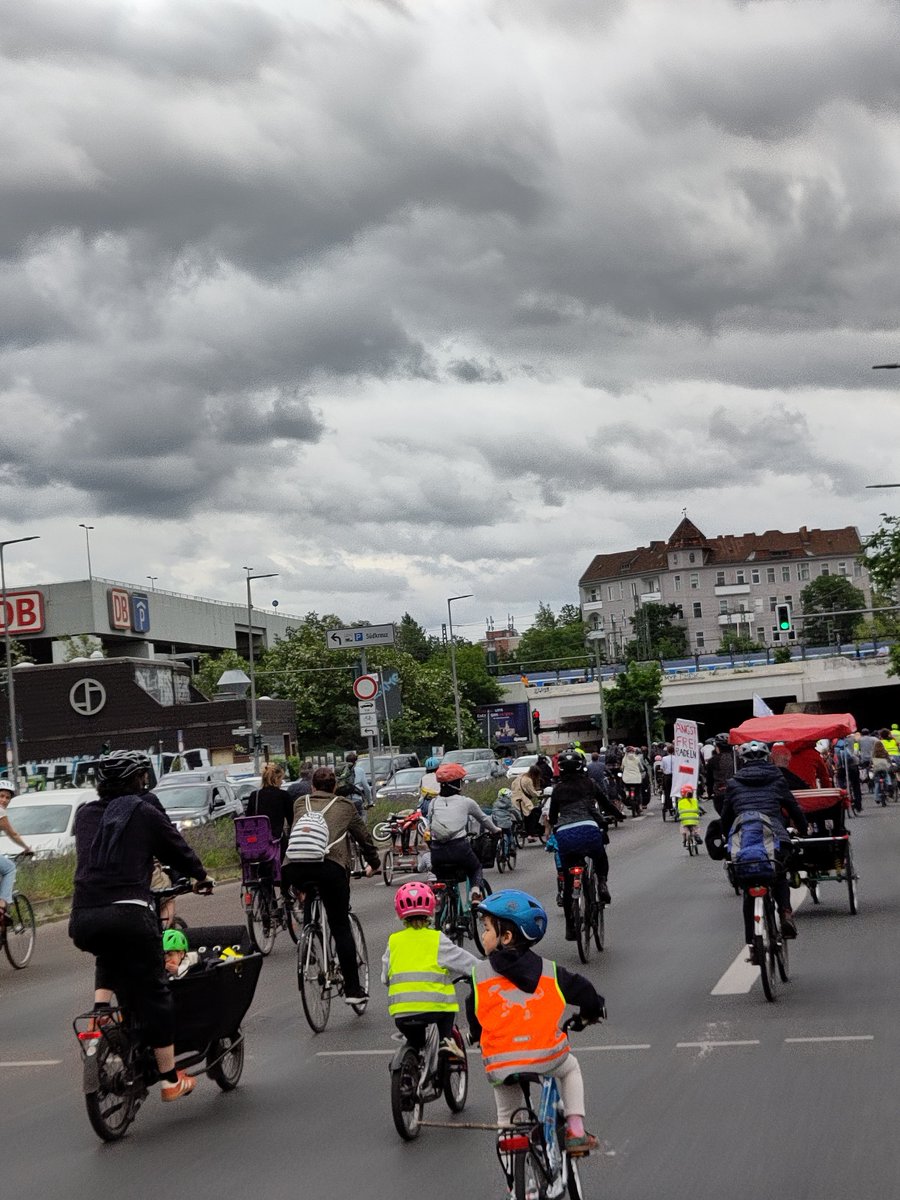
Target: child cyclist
418	968
689	813
517	1006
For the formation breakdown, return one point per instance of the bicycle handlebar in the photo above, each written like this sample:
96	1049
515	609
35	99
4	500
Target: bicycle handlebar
183	886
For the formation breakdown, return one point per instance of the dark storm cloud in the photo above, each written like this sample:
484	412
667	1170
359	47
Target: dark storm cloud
469	370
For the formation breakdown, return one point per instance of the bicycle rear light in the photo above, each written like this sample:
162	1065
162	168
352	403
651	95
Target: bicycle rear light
758	891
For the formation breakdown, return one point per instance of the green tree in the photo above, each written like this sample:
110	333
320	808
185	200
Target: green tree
882	554
834	595
210	669
734	642
657	634
554	641
638	684
410	638
80	645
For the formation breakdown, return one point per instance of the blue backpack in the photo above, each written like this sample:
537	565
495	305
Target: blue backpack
752	845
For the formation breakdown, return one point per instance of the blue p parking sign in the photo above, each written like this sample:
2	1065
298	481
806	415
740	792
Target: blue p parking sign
140	612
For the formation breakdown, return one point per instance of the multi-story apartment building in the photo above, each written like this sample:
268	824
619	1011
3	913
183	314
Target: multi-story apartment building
731	581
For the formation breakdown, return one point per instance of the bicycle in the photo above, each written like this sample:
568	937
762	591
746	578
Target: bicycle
532	1149
692	843
452	914
587	909
318	971
507	851
265	910
18	928
119	1066
421	1076
770	947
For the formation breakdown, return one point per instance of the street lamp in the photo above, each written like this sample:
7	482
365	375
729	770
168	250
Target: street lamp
450	599
886	367
12	760
253	731
153	579
87	537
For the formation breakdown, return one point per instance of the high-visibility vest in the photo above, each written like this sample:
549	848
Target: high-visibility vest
688	810
891	746
416	981
519	1031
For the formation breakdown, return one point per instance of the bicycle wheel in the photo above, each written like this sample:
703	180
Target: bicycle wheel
456	1076
381	832
362	961
501	856
112	1105
225	1061
598	921
473	927
20	931
406	1106
521	836
312	978
782	954
512	852
765	954
260	918
387	867
573	1179
852	891
528	1178
292	918
581	921
692	847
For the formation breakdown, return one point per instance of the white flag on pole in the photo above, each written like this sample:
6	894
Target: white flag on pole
760	708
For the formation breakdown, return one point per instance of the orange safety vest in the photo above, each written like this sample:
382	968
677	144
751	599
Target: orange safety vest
519	1031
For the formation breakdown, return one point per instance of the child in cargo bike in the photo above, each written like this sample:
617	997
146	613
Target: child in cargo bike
757	801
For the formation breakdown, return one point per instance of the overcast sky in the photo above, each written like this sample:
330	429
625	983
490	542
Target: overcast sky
410	298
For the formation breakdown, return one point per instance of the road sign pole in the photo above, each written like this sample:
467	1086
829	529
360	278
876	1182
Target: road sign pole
387	719
365	670
604	727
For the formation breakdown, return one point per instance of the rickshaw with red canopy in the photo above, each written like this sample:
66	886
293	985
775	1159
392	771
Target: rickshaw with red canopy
824	855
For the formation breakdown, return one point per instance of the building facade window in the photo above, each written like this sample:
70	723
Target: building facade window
785	574
695	579
754	575
803	571
720	578
701	641
698	609
760	633
770	574
609	592
740	577
723	607
857	570
676	582
773	603
825	569
692	557
842	568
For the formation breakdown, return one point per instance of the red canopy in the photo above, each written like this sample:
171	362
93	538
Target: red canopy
794	729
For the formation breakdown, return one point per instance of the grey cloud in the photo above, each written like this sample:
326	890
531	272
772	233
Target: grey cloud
469	370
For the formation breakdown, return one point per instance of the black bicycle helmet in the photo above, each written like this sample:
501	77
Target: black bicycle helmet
121	766
722	739
570	760
753	752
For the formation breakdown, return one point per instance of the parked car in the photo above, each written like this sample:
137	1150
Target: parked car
385	766
483	769
46	821
521	765
402	785
244	786
192	801
468	756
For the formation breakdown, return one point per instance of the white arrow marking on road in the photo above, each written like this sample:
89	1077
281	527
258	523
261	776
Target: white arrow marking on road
741	975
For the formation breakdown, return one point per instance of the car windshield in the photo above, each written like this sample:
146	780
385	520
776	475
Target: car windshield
411	775
39	818
182	797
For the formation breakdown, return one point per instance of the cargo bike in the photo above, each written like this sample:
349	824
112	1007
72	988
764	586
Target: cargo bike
211	1001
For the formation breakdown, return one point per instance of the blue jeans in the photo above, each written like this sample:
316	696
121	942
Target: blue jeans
7	878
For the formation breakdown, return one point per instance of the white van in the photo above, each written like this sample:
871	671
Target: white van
45	820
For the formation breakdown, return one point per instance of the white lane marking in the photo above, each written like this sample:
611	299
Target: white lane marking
354	1053
741	975
35	1062
635	1046
712	1045
846	1037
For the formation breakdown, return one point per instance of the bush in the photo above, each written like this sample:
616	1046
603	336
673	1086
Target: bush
782	654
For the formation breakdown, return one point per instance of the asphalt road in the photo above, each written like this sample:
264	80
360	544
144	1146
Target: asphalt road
698	1088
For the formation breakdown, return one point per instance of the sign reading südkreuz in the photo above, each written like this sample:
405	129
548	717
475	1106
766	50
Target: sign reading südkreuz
359	638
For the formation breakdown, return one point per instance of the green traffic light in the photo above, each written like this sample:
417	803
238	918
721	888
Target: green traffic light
785	625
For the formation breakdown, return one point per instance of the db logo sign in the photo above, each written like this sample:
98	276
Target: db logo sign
22	613
119	608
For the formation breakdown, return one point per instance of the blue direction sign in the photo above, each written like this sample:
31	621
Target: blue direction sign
140	612
360	637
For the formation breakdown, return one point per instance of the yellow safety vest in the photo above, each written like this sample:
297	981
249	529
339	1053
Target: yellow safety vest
891	746
688	810
417	983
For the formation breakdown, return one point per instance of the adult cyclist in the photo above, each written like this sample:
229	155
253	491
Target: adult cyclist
576	818
117	837
448	822
7	866
759	787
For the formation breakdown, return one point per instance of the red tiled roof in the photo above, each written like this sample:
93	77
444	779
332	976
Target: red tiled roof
773	545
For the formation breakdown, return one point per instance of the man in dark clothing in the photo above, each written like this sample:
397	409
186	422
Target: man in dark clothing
300	787
759	787
113	916
597	771
719	770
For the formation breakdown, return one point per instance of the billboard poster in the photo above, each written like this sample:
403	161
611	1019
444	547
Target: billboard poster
389	696
503	724
685	759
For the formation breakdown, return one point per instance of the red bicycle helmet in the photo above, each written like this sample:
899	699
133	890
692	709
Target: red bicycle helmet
687	790
450	772
414	900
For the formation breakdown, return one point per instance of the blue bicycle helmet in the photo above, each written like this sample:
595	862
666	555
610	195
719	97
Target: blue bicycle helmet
520	910
432	764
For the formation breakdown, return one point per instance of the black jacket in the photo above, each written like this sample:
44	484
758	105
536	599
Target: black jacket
148	834
275	804
719	770
760	787
578	798
523	968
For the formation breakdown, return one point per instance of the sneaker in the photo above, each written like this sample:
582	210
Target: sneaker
174	1091
752	958
360	998
788	927
604	892
570	931
581	1145
450	1046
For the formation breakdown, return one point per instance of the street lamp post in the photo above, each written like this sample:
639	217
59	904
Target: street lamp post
12	761
596	637
253	731
459	735
153	579
87	538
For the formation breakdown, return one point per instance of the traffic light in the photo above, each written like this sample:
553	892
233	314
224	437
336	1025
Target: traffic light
783	618
536	720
